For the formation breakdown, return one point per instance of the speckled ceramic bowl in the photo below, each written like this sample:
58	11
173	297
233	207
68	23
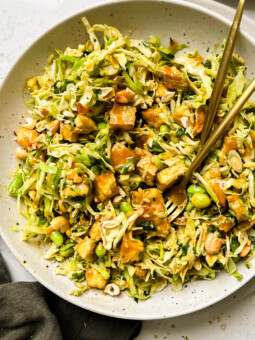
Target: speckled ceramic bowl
183	21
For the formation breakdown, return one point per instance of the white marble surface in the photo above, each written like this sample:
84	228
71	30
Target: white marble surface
24	20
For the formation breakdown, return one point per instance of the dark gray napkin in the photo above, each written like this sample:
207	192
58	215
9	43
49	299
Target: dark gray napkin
29	311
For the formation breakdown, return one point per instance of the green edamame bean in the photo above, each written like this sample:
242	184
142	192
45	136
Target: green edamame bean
189	206
15	184
57	238
102	126
66	250
164	129
200	201
125	207
100	250
194	188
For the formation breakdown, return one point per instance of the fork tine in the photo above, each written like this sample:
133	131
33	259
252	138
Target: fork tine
176	213
171	209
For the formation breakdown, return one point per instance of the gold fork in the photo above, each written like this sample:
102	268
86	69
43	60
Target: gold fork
177	196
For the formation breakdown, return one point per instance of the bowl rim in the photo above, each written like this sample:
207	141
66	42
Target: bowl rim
44	282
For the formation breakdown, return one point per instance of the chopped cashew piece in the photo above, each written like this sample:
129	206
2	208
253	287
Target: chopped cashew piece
112	289
212	244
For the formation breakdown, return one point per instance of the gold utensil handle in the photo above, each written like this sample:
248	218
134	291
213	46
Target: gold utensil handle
217	134
221	75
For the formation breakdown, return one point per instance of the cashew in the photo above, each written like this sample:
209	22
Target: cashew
30	123
60	222
110	224
52	127
21	153
235	161
112	289
212	244
61	206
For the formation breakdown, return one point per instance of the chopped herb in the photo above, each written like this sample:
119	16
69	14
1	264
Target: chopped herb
145	44
180	132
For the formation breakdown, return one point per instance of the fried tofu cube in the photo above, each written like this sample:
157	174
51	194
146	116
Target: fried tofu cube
148	196
124	96
86	249
105	186
147	170
173	78
168	176
68	134
161	90
120	155
84	124
156	215
181	115
26	137
130	249
224	223
213	177
95	231
122	117
151	116
238	207
95	279
84	110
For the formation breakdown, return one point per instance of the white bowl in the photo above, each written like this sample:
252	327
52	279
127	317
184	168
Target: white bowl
186	22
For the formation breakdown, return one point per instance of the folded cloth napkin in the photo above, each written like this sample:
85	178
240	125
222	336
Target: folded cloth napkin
29	311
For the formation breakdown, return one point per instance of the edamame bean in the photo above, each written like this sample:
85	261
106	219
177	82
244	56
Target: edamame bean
164	129
189	206
57	238
101	126
67	250
100	250
194	188
200	201
125	207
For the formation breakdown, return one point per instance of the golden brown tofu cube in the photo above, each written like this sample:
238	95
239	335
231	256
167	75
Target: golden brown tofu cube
238	207
161	90
151	116
147	170
25	137
130	249
168	176
84	124
181	112
95	231
122	117
95	279
156	215
86	249
147	196
120	155
105	186
124	96
68	134
173	78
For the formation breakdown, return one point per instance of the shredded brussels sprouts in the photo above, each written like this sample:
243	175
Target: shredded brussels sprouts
112	125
